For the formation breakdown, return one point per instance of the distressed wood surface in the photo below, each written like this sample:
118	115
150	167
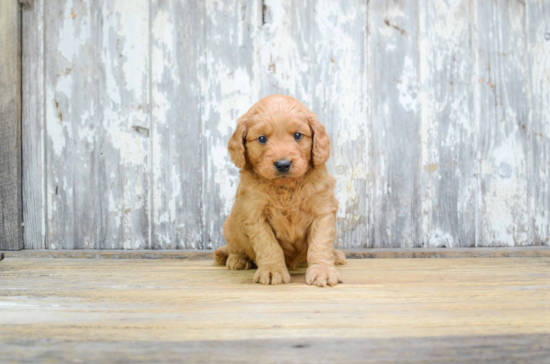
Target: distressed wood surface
33	128
177	158
228	91
110	307
436	113
338	67
503	349
538	15
72	123
315	51
447	127
394	122
121	138
11	214
503	136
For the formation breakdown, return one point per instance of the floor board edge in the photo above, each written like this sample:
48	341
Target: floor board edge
512	252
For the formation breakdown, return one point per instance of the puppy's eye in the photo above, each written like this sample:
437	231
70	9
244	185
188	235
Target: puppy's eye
262	140
297	136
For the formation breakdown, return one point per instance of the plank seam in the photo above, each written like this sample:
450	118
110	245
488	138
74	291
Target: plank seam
475	75
44	132
150	203
531	156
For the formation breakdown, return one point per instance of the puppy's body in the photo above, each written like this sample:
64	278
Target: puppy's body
282	216
288	210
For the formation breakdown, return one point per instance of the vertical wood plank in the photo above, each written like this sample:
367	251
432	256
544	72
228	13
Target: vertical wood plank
176	160
72	122
228	91
11	232
34	167
503	145
315	51
394	123
286	49
337	68
121	140
538	20
447	124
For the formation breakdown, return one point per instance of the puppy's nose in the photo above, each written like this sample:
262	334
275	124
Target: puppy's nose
283	165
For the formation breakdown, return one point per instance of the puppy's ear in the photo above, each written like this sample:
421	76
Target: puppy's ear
237	141
320	150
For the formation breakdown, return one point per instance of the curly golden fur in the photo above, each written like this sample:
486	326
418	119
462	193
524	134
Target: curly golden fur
282	216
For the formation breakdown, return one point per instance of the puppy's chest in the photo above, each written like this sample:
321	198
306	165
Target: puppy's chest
290	222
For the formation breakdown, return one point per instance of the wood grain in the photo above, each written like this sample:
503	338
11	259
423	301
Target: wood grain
538	13
285	49
11	232
72	122
503	124
339	66
448	167
121	140
315	51
436	113
33	128
228	91
176	152
53	305
506	349
394	122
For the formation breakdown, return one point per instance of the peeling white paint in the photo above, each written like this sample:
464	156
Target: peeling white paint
408	86
176	191
441	239
235	89
108	130
348	179
114	209
283	64
131	146
74	33
504	198
226	182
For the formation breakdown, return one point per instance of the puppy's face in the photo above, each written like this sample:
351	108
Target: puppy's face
278	146
280	139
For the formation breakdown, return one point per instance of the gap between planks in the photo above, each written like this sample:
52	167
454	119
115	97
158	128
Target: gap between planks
503	252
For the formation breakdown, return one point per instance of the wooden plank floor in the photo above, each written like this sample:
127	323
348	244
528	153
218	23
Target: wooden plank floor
388	310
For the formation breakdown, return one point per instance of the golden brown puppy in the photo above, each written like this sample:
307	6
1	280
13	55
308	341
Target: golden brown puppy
285	210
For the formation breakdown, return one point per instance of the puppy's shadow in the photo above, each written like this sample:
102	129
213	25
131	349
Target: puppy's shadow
298	274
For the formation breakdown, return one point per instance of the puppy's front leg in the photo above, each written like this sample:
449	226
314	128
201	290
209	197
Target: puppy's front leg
320	252
270	258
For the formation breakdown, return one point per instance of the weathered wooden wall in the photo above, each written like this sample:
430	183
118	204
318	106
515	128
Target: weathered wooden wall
437	112
11	212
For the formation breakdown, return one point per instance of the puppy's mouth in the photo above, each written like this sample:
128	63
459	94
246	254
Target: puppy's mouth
285	175
280	171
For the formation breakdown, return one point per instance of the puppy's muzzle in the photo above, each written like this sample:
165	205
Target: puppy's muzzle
283	165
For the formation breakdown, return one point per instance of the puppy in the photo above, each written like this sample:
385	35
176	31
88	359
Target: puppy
285	210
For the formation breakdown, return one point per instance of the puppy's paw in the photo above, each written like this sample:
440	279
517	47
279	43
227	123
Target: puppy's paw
238	262
220	255
321	275
272	274
339	257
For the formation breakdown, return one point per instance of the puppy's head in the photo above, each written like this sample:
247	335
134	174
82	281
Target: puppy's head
279	139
